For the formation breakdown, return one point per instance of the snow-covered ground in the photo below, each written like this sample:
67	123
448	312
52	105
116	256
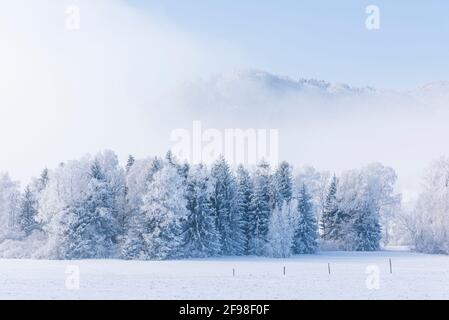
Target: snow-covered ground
353	276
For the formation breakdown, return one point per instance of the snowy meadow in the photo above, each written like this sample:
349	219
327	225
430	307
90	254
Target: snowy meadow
354	275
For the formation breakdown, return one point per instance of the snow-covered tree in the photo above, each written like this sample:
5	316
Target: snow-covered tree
159	209
9	205
156	165
183	169
226	209
170	158
82	208
362	196
260	210
129	163
381	181
245	190
306	232
67	187
364	233
29	203
114	182
41	183
317	186
133	245
282	185
201	239
28	211
332	218
281	229
164	211
429	224
138	177
97	221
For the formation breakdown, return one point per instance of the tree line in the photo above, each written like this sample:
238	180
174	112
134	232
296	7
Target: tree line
159	208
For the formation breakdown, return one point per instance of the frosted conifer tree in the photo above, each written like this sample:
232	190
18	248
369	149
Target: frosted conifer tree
317	186
363	195
226	209
129	163
164	211
115	187
282	188
260	210
96	227
201	238
82	206
9	205
133	245
41	183
305	240
138	177
365	232
183	169
28	211
29	203
329	217
245	190
67	189
156	165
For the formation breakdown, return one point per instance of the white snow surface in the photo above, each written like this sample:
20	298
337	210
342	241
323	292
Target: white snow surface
415	276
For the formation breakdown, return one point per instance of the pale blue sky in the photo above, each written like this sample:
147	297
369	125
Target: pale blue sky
325	39
120	63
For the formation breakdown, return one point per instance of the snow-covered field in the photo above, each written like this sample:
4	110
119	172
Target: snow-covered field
353	276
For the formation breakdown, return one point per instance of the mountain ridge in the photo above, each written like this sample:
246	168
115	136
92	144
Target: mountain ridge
280	83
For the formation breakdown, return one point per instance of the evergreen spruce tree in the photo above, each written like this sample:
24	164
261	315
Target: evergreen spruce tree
245	190
330	212
81	234
225	207
139	177
156	165
364	231
101	204
131	160
28	212
133	247
282	185
94	226
201	238
171	160
43	180
260	210
29	203
164	211
305	240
